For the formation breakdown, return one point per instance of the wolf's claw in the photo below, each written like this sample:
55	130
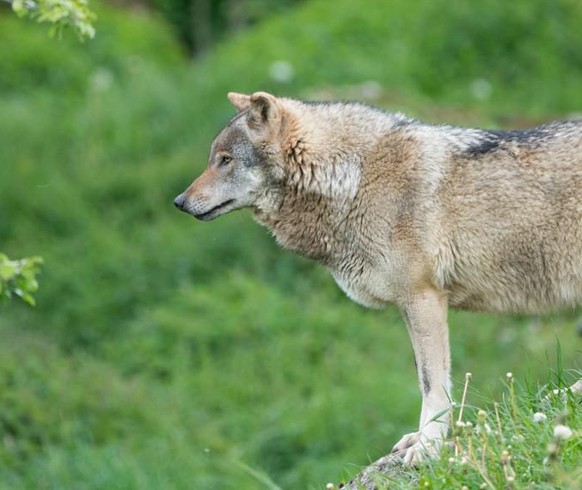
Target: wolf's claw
406	442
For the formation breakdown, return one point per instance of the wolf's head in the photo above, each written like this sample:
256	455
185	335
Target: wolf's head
244	159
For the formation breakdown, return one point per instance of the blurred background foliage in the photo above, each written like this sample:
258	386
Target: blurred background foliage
199	24
165	353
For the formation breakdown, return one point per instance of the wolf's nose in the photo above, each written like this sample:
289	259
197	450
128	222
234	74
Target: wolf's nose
179	201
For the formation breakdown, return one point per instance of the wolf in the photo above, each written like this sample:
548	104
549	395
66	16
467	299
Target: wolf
425	217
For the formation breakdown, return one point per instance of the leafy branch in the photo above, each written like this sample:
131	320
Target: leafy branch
60	13
18	277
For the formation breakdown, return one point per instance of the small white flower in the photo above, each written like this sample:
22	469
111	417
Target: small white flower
481	89
101	80
330	486
509	375
539	417
281	71
371	90
562	432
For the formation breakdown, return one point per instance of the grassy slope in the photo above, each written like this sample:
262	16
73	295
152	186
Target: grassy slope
531	438
165	353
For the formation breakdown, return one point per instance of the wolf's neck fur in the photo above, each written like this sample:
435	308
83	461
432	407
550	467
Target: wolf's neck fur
323	151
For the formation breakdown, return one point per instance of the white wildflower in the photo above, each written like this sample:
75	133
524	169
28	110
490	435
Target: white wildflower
481	89
281	71
101	80
540	417
371	90
562	432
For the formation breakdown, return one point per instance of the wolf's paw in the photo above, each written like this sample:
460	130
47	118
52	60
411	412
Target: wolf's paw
423	450
575	389
418	446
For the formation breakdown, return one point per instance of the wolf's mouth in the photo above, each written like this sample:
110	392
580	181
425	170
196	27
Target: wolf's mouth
213	213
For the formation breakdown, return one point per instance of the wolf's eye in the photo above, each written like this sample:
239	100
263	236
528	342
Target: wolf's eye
225	160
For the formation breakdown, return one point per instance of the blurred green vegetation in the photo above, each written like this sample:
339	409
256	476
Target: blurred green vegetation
199	24
165	353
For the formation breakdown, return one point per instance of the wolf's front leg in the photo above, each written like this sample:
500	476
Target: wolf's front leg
425	314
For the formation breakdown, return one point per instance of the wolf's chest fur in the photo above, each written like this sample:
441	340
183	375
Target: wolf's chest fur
365	276
367	285
345	237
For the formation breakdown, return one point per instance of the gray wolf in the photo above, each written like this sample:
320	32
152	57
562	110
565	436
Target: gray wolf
406	213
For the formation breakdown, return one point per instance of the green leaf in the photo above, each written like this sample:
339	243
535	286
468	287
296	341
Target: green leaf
8	270
18	278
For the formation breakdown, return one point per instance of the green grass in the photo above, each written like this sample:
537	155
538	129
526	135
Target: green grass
165	353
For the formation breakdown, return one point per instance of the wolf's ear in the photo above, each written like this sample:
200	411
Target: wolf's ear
239	101
264	110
